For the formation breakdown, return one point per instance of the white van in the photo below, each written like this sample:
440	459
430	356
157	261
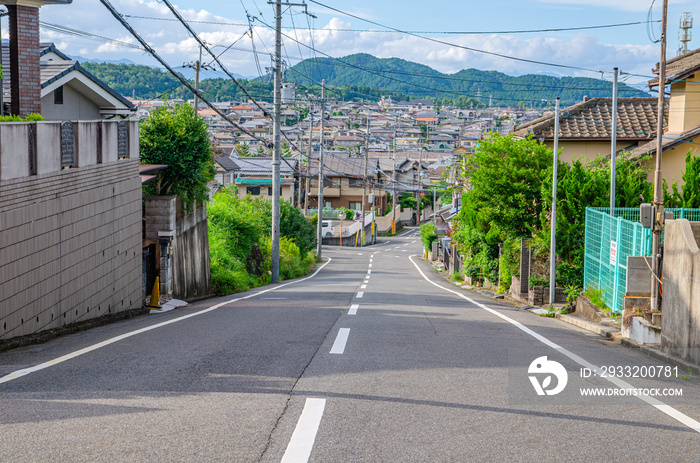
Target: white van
327	228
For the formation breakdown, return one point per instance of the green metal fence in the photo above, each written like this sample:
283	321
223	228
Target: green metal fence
632	213
609	241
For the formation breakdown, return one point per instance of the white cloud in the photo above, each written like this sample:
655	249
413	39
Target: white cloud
174	44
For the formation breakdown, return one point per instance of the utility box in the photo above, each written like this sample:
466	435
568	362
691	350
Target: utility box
646	214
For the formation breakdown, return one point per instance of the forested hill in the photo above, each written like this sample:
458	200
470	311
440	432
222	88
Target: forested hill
362	76
406	77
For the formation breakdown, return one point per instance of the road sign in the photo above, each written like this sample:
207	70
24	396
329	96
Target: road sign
361	219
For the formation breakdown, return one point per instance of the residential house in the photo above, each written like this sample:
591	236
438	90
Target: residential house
682	133
70	212
585	128
254	177
68	91
344	179
226	169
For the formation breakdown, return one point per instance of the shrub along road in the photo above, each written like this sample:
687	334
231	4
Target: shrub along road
375	358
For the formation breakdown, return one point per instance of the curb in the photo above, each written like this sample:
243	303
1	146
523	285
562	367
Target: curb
603	330
658	354
45	336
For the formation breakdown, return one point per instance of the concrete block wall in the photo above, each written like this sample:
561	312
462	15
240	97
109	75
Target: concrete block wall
190	270
680	304
70	240
160	216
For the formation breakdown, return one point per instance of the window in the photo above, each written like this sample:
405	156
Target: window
58	95
269	191
253	190
327	205
357	182
355	205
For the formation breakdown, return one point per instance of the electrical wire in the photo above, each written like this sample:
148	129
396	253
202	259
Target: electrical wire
153	53
204	45
527	31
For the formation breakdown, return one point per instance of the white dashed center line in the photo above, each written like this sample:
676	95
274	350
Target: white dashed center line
340	340
353	309
302	441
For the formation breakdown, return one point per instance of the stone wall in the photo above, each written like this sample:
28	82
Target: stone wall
680	331
70	239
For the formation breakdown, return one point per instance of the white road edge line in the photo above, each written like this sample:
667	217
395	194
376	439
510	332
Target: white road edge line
340	340
353	309
667	409
304	435
25	371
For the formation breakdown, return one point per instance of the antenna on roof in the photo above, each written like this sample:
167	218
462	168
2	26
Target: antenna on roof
684	34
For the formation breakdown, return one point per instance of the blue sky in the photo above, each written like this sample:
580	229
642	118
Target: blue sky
337	34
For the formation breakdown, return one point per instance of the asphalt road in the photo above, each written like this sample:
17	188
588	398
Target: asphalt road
375	358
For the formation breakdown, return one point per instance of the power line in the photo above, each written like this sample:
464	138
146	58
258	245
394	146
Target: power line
204	45
153	53
522	31
69	31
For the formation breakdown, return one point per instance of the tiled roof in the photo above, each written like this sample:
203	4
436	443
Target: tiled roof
669	141
679	67
345	166
227	163
262	166
52	71
592	119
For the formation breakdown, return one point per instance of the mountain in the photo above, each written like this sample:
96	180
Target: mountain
363	76
408	78
83	60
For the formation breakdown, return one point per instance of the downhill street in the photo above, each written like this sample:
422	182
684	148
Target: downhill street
375	358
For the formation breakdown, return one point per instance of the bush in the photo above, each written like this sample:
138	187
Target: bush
298	228
240	243
428	235
178	137
510	262
30	117
536	280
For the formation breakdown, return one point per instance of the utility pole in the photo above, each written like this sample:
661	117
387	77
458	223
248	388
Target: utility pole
420	182
434	207
319	223
613	147
658	223
308	162
275	254
393	190
197	66
2	102
364	183
553	237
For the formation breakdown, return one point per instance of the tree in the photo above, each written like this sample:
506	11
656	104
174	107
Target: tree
506	176
689	195
177	137
243	150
